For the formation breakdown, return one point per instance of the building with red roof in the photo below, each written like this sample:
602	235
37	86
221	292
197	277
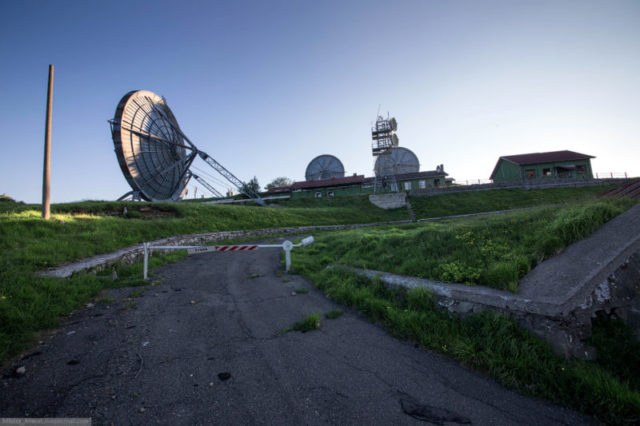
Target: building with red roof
358	184
543	165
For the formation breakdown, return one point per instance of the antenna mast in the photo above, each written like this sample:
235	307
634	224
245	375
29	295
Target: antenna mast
384	140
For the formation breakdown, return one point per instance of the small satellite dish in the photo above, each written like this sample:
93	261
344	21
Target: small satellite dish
398	162
324	167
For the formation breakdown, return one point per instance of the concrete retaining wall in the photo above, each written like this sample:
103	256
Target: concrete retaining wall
558	299
392	200
566	333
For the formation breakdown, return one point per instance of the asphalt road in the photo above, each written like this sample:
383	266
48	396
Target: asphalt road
202	347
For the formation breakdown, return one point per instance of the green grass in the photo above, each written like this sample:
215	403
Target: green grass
310	323
301	290
333	314
502	199
494	251
358	202
487	342
618	350
136	293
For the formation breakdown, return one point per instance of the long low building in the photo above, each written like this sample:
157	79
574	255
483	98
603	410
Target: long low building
361	185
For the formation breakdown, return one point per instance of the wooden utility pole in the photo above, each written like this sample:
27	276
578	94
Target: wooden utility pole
47	150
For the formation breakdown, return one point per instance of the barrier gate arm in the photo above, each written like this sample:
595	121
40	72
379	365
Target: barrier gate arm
287	246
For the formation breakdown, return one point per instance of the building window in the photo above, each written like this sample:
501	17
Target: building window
318	194
564	172
530	173
330	194
436	182
580	170
407	186
546	171
422	184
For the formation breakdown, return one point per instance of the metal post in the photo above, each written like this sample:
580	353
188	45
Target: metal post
287	246
287	259
146	260
47	151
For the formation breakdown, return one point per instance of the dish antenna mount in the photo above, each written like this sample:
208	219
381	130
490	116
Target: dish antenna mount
155	155
324	167
383	134
399	161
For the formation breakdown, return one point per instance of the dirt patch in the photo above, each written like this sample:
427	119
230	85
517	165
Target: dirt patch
153	212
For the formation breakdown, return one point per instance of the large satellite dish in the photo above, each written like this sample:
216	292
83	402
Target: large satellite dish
150	152
153	152
324	167
399	161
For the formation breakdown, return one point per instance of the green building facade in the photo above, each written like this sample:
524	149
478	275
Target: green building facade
359	185
543	165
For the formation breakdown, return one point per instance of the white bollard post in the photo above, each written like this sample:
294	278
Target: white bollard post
146	260
287	246
307	241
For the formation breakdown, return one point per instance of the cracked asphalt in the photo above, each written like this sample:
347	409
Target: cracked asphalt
202	347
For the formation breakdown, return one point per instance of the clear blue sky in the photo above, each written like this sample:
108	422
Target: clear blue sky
265	86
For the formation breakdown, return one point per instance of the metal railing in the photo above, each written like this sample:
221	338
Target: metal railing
611	175
598	175
538	183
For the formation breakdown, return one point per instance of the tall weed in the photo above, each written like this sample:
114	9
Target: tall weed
573	224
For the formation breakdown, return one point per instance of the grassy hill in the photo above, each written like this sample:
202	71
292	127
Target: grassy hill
494	251
501	199
30	303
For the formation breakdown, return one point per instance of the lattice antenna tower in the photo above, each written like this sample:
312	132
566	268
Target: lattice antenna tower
154	154
384	139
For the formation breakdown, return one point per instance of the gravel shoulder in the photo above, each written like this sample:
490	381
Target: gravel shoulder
203	345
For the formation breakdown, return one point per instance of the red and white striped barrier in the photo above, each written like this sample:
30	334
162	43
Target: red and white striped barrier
286	246
220	248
